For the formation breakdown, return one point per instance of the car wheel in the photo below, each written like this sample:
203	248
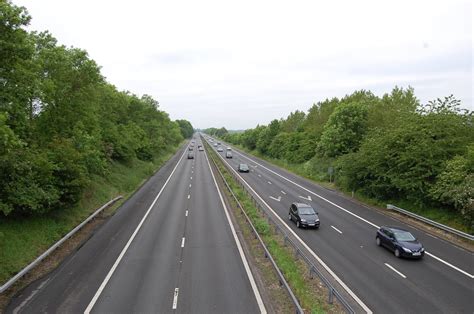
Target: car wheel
289	217
377	240
397	252
297	224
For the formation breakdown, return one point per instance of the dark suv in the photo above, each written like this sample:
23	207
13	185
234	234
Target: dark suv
304	215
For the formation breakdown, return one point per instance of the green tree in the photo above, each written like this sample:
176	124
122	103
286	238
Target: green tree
344	130
186	128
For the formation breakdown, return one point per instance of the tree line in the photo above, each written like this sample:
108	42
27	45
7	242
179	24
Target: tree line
62	123
388	148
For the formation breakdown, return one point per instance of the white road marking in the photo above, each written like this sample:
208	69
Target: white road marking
261	306
269	182
182	241
276	199
190	185
18	308
336	229
329	270
259	175
186	213
354	215
450	265
175	298
191	178
283	192
189	196
306	198
392	268
124	250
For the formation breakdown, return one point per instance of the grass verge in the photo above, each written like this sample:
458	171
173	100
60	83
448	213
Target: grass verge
311	294
22	239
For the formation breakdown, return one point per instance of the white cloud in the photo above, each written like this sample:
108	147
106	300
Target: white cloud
239	64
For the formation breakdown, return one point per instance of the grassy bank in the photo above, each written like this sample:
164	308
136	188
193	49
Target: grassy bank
311	296
441	215
24	238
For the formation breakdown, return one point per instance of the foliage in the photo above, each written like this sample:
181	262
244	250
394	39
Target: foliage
387	148
186	128
61	122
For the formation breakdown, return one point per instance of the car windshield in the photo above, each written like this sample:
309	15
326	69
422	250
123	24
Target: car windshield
306	211
244	166
404	236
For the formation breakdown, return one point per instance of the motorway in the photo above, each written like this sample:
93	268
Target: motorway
442	282
169	248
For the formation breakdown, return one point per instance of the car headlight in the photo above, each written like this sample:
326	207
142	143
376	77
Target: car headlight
303	220
406	250
317	220
422	249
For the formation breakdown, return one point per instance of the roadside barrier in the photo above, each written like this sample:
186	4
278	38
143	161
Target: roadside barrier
33	264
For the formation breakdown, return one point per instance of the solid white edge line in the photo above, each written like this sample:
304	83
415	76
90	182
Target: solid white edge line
336	229
351	213
392	268
450	265
261	306
175	299
182	241
124	250
329	270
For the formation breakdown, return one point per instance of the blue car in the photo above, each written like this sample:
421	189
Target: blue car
401	242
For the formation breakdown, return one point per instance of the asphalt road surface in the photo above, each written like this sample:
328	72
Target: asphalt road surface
169	248
442	282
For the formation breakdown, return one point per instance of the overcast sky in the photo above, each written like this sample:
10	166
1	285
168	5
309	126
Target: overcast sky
242	63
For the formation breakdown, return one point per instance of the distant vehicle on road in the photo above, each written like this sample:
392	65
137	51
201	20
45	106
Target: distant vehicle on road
215	144
190	148
401	242
220	149
228	148
228	154
190	155
243	168
303	215
218	143
201	149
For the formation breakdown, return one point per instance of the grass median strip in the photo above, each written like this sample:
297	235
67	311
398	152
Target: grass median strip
311	293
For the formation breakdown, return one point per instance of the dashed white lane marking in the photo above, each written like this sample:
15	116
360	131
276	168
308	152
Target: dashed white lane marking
186	213
190	185
356	298
283	192
182	241
175	298
191	178
392	268
357	216
260	175
269	182
124	250
336	229
189	196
